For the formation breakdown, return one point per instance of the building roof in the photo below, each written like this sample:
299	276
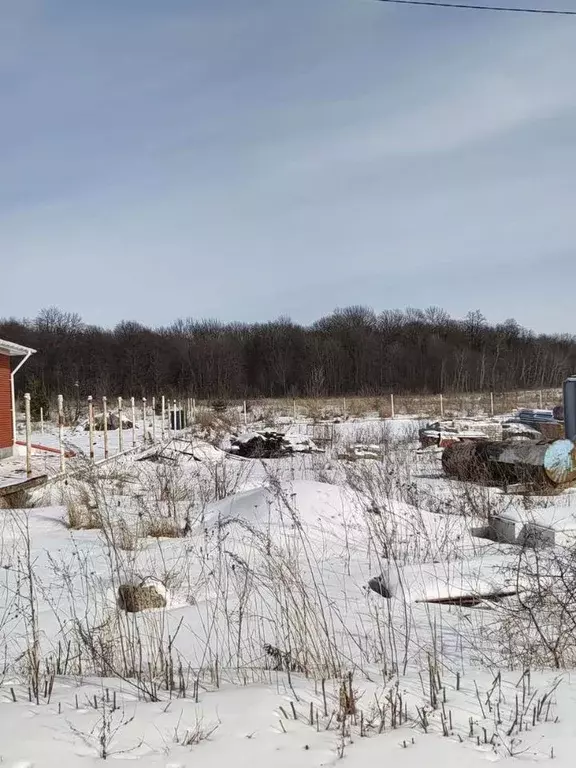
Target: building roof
14	350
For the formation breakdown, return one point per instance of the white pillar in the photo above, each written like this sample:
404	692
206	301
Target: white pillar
492	403
91	425
153	419
41	420
61	433
120	427
541	400
133	404
144	419
28	435
105	425
392	406
163	431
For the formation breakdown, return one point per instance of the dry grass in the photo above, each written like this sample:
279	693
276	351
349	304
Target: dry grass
163	528
425	405
82	517
125	538
17	500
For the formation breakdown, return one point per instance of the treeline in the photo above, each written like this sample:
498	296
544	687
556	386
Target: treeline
352	351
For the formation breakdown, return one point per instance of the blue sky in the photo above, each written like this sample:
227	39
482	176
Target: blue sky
245	159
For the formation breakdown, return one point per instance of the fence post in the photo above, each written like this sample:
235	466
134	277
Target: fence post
105	424
245	414
41	420
294	407
194	409
120	427
28	435
91	425
541	399
163	430
133	404
174	407
144	419
441	405
61	433
154	419
492	403
392	406
344	407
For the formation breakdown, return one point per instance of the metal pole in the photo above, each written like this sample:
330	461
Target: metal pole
28	435
120	427
163	431
91	425
133	404
144	419
105	424
61	433
153	419
41	420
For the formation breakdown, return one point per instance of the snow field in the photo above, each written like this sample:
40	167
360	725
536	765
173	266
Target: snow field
271	645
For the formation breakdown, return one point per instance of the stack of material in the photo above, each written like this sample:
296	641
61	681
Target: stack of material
550	424
503	463
112	422
269	444
444	433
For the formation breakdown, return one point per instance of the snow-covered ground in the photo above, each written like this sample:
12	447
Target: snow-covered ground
271	647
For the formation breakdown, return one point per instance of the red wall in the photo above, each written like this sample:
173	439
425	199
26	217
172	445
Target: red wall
5	403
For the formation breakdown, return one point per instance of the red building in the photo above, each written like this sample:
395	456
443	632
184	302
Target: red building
8	369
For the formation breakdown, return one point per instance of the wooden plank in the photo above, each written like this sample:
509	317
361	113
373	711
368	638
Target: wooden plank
23	485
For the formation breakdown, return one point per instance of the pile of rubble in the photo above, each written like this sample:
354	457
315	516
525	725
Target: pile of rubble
112	422
270	444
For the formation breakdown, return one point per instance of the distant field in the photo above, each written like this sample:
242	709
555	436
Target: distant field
471	404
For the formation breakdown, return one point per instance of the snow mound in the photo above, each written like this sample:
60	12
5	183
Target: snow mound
476	578
304	503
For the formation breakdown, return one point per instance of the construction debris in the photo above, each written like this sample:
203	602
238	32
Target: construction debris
112	422
504	463
444	433
269	444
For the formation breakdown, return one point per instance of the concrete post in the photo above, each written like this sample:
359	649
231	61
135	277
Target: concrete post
120	427
28	435
91	426
133	404
61	433
105	425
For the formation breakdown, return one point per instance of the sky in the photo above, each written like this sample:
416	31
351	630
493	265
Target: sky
247	159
